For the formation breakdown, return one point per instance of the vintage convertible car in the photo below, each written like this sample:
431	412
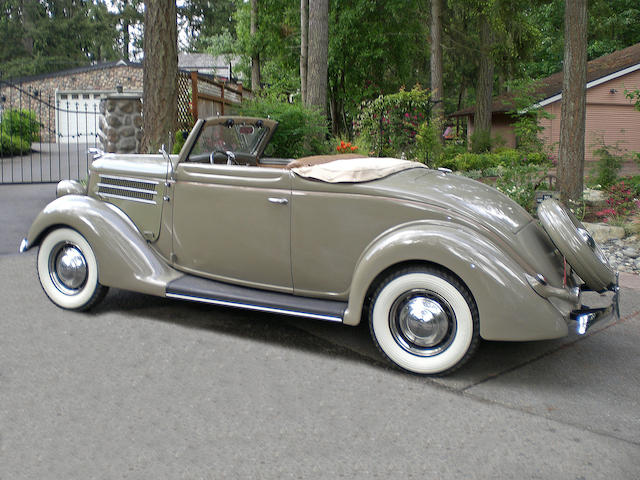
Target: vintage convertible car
432	260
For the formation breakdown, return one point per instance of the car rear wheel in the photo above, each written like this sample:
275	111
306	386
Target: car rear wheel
68	270
424	320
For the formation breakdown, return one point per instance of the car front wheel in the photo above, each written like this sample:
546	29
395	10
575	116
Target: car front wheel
424	320
68	270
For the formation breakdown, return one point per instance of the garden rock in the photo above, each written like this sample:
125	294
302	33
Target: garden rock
602	233
593	197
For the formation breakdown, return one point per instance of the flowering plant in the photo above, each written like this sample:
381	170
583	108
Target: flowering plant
620	203
346	147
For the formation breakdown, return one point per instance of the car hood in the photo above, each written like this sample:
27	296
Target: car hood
457	194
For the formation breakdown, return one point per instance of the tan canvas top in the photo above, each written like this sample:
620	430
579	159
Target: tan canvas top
362	169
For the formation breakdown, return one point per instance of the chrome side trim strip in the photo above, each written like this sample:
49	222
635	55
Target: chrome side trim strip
130	179
258	308
128	189
122	197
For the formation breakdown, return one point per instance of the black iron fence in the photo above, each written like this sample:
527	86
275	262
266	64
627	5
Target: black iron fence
45	138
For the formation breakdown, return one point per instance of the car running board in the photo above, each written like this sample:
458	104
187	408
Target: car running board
199	289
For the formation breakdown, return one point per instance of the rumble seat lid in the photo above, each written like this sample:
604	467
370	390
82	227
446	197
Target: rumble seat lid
355	170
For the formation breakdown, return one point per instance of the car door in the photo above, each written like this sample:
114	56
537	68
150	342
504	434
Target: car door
232	223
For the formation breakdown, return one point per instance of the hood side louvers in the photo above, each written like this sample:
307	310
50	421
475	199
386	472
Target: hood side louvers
136	190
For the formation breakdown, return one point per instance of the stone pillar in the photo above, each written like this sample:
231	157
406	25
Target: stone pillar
120	125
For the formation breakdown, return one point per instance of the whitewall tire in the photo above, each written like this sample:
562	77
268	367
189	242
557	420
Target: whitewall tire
68	270
424	320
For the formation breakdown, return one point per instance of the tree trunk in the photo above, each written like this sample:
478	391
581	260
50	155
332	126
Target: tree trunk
28	14
318	53
572	120
484	90
436	63
304	47
255	56
125	39
160	70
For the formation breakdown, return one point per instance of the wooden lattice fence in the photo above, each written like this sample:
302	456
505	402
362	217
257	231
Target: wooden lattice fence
200	96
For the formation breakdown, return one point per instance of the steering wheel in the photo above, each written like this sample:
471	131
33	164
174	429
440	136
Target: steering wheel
231	157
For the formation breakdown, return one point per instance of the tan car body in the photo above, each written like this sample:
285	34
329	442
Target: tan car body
271	229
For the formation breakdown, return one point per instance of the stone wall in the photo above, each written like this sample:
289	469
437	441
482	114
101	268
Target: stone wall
120	124
38	93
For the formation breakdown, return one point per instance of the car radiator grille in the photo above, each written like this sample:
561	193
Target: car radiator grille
144	191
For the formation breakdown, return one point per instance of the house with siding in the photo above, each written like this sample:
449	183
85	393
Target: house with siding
610	116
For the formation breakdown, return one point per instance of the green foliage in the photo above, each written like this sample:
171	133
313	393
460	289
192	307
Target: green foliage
301	131
21	124
520	182
428	145
610	158
620	203
491	163
634	184
526	123
40	37
10	145
613	25
178	141
481	141
389	124
634	96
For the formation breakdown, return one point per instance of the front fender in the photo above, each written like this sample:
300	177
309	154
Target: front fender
125	260
509	309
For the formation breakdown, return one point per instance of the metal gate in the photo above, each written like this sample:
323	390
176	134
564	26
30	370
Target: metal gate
44	140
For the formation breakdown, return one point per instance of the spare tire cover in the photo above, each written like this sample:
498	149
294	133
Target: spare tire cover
576	245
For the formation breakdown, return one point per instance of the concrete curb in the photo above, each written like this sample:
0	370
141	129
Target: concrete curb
630	280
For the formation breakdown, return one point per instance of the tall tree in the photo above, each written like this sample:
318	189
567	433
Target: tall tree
304	47
573	109
160	70
436	61
255	52
484	86
318	54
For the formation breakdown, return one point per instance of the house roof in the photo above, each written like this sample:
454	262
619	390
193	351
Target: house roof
72	71
549	89
205	61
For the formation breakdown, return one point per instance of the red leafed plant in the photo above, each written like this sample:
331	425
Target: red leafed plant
620	203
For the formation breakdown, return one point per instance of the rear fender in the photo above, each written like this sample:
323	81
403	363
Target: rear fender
509	308
125	260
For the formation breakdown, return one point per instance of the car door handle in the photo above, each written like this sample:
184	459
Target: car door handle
279	201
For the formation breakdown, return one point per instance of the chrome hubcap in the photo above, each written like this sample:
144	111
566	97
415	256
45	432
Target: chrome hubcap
422	322
68	268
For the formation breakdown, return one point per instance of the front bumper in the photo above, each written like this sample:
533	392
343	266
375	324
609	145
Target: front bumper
586	317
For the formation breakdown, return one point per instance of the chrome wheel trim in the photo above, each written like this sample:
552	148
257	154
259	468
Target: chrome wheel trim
68	268
422	322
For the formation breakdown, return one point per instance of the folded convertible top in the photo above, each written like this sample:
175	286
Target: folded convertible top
355	170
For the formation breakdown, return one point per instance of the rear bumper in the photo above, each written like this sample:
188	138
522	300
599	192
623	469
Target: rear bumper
584	318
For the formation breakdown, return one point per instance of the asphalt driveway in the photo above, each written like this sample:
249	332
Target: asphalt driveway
145	387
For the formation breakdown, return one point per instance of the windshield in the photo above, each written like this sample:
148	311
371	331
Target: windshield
234	136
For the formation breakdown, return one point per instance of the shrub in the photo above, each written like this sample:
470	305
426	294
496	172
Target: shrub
389	124
301	131
620	203
428	146
481	141
520	183
12	145
609	163
21	124
178	142
466	161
